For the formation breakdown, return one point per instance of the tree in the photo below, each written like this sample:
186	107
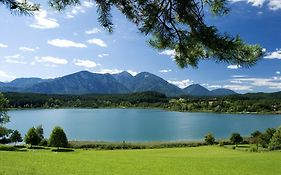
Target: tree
32	137
20	7
16	137
209	139
4	119
275	141
236	138
40	132
58	138
178	25
267	136
256	138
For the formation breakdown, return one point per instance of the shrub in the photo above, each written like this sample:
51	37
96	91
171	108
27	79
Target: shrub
16	137
43	142
209	139
32	137
267	136
40	132
236	138
275	141
7	148
58	138
256	138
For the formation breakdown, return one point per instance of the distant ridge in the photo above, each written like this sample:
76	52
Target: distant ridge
197	90
85	82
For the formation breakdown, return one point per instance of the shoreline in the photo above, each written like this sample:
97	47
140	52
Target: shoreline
164	109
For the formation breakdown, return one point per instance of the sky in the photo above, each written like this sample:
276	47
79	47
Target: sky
52	44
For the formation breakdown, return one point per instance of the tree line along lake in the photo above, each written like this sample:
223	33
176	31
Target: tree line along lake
140	125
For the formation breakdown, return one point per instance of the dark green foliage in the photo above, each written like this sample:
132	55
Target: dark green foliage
266	137
144	99
246	103
209	139
32	137
63	150
4	119
16	137
58	138
20	7
118	145
7	148
256	138
275	142
4	135
236	138
62	4
40	132
43	142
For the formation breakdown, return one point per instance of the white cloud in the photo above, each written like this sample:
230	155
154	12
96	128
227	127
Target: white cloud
238	76
13	56
85	63
182	83
98	42
234	87
165	70
257	3
171	53
103	55
214	86
93	31
3	45
66	43
278	72
238	87
134	73
79	9
271	83
15	61
233	66
27	49
43	22
4	76
51	60
272	4
274	55
236	81
109	71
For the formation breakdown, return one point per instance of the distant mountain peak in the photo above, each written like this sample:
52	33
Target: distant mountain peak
124	73
86	82
197	90
83	72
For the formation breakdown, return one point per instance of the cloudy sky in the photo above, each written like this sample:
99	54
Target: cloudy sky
51	44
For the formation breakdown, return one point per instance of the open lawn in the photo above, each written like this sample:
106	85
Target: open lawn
205	160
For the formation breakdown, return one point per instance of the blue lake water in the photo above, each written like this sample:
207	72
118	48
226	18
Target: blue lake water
139	124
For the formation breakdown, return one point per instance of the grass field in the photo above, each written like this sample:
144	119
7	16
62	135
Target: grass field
205	160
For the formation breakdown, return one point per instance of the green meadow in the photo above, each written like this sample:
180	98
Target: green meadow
204	160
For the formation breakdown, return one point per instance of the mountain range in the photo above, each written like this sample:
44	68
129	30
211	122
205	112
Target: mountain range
86	82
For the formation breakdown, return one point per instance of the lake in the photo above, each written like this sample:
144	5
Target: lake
139	124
